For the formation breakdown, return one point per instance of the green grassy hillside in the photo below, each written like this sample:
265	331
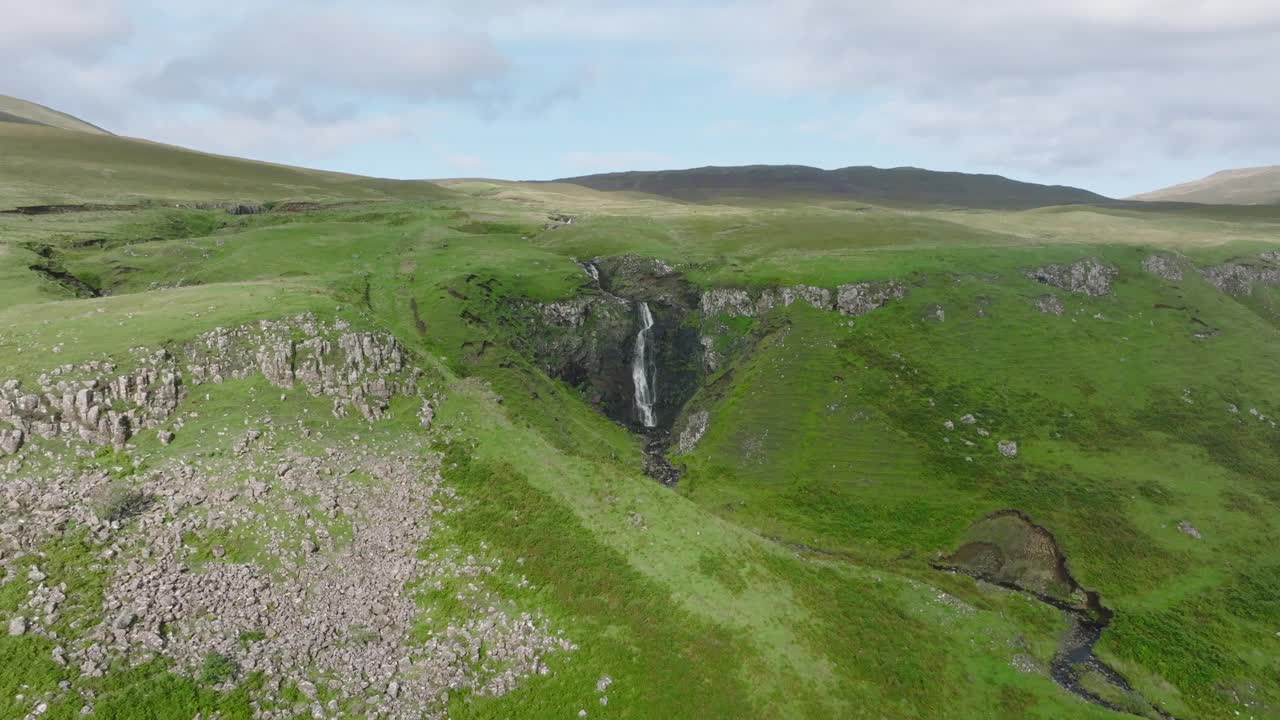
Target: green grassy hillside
16	110
790	572
51	166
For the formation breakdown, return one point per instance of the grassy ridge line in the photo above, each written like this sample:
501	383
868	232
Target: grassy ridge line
44	165
27	111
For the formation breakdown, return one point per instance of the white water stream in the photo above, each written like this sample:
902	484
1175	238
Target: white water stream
642	370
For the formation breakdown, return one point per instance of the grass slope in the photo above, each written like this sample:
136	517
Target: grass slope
824	432
47	165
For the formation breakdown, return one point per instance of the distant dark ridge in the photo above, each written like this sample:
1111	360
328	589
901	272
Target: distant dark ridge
895	186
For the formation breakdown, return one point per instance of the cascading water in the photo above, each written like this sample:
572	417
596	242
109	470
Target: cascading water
642	370
592	271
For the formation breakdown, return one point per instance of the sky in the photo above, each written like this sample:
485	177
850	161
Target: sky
1118	96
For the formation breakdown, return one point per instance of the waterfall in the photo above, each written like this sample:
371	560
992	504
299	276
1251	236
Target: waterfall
642	370
592	271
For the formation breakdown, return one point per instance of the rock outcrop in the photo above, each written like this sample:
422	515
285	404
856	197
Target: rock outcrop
1163	266
695	427
728	301
849	299
90	403
95	404
1088	276
1238	278
861	298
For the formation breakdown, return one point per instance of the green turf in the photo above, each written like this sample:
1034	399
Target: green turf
826	433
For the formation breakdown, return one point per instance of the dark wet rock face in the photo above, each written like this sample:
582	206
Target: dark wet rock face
589	340
644	279
584	341
1088	276
1008	549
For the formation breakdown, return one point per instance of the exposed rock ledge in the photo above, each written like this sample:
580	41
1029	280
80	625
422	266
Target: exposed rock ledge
91	403
850	299
1088	276
1238	278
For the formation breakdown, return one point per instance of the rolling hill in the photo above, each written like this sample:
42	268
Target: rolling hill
381	452
45	165
895	186
1243	186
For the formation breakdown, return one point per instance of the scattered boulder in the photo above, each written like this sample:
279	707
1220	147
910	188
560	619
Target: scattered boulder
1088	276
1189	529
934	313
11	441
17	626
1008	448
1025	663
1050	304
1163	266
165	437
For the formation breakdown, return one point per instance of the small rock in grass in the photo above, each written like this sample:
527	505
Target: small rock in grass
1008	448
1189	529
17	626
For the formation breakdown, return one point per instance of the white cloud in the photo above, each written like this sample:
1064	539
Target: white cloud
1103	84
59	27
